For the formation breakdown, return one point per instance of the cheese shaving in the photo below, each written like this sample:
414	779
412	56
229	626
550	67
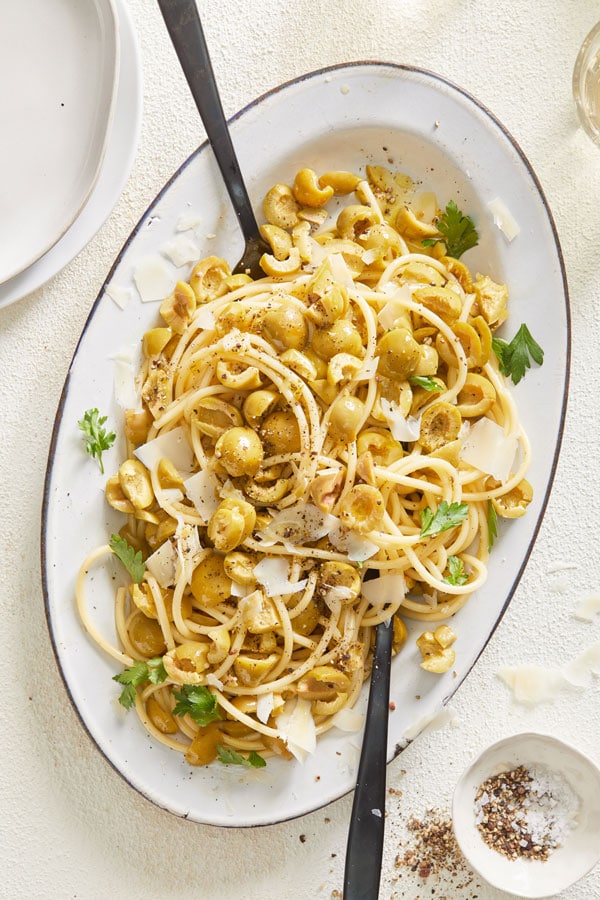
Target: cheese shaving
273	574
503	219
487	448
172	445
153	278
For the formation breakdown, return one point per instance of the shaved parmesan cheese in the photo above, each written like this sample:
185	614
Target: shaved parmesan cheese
181	250
357	547
533	684
489	449
402	428
296	728
202	489
264	707
120	295
298	524
172	445
240	590
126	394
588	608
580	670
213	681
273	574
347	719
385	589
503	218
187	221
162	564
205	318
340	270
394	308
433	722
369	370
153	279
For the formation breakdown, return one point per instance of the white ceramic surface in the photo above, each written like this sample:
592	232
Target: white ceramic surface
566	864
58	75
342	117
116	166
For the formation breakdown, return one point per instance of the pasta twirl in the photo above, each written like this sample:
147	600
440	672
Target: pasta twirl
314	452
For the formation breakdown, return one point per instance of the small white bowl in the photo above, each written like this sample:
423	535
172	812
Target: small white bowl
565	865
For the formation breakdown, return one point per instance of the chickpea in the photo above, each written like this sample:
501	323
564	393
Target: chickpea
399	354
287	326
239	451
341	337
239	567
346	417
280	433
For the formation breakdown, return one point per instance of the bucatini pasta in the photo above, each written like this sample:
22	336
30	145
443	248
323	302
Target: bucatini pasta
314	452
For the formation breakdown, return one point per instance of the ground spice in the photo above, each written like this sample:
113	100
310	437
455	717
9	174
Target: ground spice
432	853
525	813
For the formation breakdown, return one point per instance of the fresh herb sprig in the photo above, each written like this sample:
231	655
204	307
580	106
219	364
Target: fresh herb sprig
96	438
446	516
515	357
456	571
131	560
458	232
137	674
426	382
231	757
198	702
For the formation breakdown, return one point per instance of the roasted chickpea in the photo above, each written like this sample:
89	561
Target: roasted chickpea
287	326
280	433
346	417
399	354
239	451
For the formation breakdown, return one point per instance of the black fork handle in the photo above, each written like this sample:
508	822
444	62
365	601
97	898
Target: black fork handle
364	849
185	30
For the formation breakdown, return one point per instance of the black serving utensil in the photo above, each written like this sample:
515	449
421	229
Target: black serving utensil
364	848
185	30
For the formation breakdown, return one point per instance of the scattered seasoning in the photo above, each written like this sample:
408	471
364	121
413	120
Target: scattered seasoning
433	855
525	813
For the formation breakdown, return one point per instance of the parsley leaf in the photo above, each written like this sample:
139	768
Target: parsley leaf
131	560
96	437
133	676
514	356
426	382
456	570
232	758
198	702
459	232
492	523
445	517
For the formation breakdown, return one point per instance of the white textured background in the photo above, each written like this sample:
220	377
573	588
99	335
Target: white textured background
70	827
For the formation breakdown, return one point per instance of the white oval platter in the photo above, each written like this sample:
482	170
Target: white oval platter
342	117
58	77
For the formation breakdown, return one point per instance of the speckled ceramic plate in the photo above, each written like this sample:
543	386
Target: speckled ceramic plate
58	78
342	117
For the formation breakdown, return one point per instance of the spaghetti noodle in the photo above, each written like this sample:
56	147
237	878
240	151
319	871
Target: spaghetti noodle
315	452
